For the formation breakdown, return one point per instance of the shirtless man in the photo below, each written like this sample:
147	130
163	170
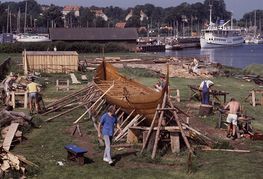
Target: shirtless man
234	107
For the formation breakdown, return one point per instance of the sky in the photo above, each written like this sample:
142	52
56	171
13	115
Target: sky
238	7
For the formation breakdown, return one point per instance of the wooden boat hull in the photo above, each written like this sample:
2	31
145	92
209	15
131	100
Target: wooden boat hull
127	93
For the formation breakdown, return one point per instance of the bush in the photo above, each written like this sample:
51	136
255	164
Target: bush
80	47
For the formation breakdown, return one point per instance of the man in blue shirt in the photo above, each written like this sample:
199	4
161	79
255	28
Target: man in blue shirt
107	124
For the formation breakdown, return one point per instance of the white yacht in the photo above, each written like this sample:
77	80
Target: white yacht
220	35
32	38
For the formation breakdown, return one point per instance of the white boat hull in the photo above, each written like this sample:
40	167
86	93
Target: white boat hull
204	43
34	38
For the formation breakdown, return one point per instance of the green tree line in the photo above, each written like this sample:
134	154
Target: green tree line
185	14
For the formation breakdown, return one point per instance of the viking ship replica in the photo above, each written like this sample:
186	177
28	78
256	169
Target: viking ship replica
127	93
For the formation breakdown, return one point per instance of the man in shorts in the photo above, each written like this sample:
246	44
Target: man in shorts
33	89
234	107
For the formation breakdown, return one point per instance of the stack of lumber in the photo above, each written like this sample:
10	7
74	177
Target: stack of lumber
83	98
10	122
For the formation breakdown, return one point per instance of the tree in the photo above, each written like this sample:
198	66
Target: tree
53	14
86	17
134	21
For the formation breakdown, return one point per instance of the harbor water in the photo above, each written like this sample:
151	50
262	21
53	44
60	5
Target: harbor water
240	56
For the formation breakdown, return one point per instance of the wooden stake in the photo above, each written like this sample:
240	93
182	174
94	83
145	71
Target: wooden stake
158	128
94	104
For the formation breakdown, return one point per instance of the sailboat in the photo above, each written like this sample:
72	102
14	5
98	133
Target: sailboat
26	37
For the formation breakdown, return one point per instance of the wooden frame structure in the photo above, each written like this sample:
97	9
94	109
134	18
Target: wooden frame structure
256	97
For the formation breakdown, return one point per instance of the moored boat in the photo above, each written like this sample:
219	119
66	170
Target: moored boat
32	38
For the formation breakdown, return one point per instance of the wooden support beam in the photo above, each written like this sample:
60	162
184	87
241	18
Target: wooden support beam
181	129
157	136
150	130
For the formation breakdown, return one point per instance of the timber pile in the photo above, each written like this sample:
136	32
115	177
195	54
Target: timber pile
11	163
82	98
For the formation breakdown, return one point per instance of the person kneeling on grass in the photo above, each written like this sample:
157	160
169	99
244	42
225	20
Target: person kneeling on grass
234	107
33	90
106	128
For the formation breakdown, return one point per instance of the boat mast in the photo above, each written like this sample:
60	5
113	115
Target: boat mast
255	23
210	17
7	20
18	21
231	21
25	18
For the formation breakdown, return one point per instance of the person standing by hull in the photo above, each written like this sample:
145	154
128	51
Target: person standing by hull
108	121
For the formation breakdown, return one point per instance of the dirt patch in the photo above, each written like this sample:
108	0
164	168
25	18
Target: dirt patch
82	141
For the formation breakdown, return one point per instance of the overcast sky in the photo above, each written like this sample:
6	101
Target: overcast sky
238	7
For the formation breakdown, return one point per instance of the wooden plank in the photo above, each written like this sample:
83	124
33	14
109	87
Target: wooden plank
74	79
227	150
10	135
157	136
132	136
175	142
84	77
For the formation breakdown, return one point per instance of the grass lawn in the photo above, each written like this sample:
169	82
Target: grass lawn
45	145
